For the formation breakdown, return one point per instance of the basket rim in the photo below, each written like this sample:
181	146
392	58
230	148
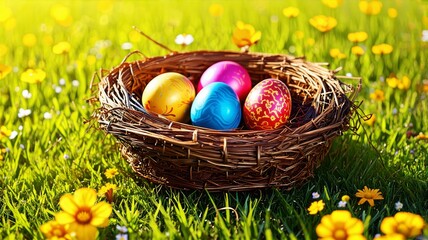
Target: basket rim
102	85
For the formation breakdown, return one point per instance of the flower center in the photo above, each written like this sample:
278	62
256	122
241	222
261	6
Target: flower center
340	234
83	216
368	195
403	229
58	232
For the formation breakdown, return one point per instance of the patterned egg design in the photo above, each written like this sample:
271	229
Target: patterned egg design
170	95
268	105
229	72
217	107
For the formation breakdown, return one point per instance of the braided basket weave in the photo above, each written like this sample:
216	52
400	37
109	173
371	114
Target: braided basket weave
184	156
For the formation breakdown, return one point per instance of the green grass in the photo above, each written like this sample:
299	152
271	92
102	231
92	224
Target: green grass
51	157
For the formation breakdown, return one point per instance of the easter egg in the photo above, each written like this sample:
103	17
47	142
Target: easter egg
267	106
230	73
170	95
216	106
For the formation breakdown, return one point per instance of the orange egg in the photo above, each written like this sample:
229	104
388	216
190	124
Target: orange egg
170	95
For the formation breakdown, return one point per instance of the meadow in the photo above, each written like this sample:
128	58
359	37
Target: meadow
51	52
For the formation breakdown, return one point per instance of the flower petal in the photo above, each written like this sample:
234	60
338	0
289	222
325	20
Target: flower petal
388	225
323	231
354	227
85	197
68	204
64	218
84	232
100	212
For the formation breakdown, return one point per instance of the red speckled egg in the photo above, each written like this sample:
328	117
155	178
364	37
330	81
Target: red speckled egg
267	106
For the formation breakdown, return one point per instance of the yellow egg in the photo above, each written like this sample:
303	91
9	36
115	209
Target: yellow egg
170	95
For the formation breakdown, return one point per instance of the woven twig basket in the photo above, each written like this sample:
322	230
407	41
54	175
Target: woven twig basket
189	157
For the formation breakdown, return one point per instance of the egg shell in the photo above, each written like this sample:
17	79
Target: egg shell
267	106
217	107
229	72
170	95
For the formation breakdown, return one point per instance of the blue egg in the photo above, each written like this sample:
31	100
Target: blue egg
216	106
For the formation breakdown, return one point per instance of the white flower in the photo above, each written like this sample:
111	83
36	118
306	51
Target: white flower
184	39
47	115
425	36
23	112
398	206
26	94
20	127
66	156
62	81
122	229
22	146
342	204
58	89
121	237
349	74
75	83
315	195
126	45
13	134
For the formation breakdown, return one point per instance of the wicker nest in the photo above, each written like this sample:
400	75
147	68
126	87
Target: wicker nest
184	156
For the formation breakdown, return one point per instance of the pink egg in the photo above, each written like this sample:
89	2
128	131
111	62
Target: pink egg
268	105
230	73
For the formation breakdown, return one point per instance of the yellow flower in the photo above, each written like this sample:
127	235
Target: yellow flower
82	213
4	132
382	49
54	230
291	12
107	187
61	48
33	76
336	53
357	37
372	7
332	3
377	95
107	191
310	41
316	207
407	224
4	70
299	34
245	35
404	83
61	14
370	120
421	136
29	40
323	23
111	172
392	12
340	225
216	10
357	50
392	81
368	195
346	198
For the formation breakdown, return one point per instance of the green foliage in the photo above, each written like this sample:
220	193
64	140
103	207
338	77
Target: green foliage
56	150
